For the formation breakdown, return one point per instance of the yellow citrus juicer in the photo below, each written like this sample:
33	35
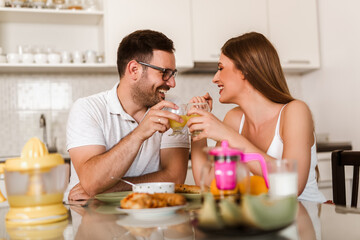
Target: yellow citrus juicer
35	185
48	231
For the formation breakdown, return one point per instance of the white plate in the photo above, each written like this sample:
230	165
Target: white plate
151	213
175	219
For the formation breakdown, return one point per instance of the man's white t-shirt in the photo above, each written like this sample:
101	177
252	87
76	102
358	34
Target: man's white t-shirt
100	120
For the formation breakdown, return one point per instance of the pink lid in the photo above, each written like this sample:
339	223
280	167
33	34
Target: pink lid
224	150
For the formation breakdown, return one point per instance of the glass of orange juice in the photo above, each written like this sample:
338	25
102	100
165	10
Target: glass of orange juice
198	105
177	127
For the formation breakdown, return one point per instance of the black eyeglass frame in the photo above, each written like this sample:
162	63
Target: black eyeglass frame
163	70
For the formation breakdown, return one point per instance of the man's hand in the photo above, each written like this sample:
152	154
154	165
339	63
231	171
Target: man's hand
157	120
78	193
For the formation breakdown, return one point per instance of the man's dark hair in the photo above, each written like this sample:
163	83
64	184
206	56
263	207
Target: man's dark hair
140	45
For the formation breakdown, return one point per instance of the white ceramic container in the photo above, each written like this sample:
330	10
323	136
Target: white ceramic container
154	187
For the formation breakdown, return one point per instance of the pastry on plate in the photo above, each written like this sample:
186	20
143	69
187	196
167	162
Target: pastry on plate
156	200
184	188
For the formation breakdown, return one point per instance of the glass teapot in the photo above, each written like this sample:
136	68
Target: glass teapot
226	169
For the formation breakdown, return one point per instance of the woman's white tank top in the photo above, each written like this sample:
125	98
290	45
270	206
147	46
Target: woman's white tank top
311	191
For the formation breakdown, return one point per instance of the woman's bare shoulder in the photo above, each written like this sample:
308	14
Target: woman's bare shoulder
297	112
233	117
297	108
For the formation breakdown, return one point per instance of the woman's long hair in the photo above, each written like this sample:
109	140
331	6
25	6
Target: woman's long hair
254	55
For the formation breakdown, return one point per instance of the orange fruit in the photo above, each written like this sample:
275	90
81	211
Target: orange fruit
217	192
257	185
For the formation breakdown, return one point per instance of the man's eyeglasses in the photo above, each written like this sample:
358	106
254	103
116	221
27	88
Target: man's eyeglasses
167	72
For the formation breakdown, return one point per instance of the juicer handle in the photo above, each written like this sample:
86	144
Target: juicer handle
247	157
2	198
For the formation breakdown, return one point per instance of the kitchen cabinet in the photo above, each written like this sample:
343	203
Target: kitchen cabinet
293	29
214	22
60	30
291	25
169	17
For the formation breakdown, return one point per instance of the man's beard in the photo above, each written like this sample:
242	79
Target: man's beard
146	95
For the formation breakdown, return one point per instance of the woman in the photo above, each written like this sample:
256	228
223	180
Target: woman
268	120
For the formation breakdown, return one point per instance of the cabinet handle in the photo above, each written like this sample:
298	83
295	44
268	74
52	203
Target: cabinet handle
298	61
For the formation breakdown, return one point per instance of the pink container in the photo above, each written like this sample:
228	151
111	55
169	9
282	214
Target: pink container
225	163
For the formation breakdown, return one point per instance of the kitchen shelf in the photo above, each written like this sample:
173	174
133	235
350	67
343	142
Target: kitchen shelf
71	67
63	16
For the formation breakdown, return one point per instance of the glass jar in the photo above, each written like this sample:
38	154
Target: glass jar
38	3
59	4
2	56
223	173
90	5
75	4
17	3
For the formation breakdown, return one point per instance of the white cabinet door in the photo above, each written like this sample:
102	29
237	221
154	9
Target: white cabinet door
169	17
214	22
293	29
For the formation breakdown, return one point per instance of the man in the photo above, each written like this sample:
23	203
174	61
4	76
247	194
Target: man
120	133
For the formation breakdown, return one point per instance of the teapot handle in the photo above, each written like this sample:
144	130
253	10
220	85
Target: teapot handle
2	198
247	157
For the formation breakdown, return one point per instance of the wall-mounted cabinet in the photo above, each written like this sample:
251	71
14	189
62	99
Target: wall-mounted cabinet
169	17
198	28
291	25
293	29
214	22
58	30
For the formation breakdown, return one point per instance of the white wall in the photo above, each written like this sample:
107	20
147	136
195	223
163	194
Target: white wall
24	97
332	92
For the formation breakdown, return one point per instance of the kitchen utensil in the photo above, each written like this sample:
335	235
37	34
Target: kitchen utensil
59	4
77	57
125	181
283	178
66	57
2	56
35	184
40	58
13	58
199	105
177	127
38	3
150	187
154	187
28	58
54	58
17	3
90	5
75	4
229	168
90	56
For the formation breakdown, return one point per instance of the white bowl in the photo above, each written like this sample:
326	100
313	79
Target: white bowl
27	58
40	58
13	58
154	187
54	58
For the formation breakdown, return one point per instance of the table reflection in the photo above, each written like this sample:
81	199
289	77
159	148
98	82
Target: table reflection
99	221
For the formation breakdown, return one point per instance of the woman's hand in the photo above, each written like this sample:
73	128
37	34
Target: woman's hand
206	98
209	125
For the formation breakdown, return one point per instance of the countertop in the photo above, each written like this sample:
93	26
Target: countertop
4	158
97	220
332	146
